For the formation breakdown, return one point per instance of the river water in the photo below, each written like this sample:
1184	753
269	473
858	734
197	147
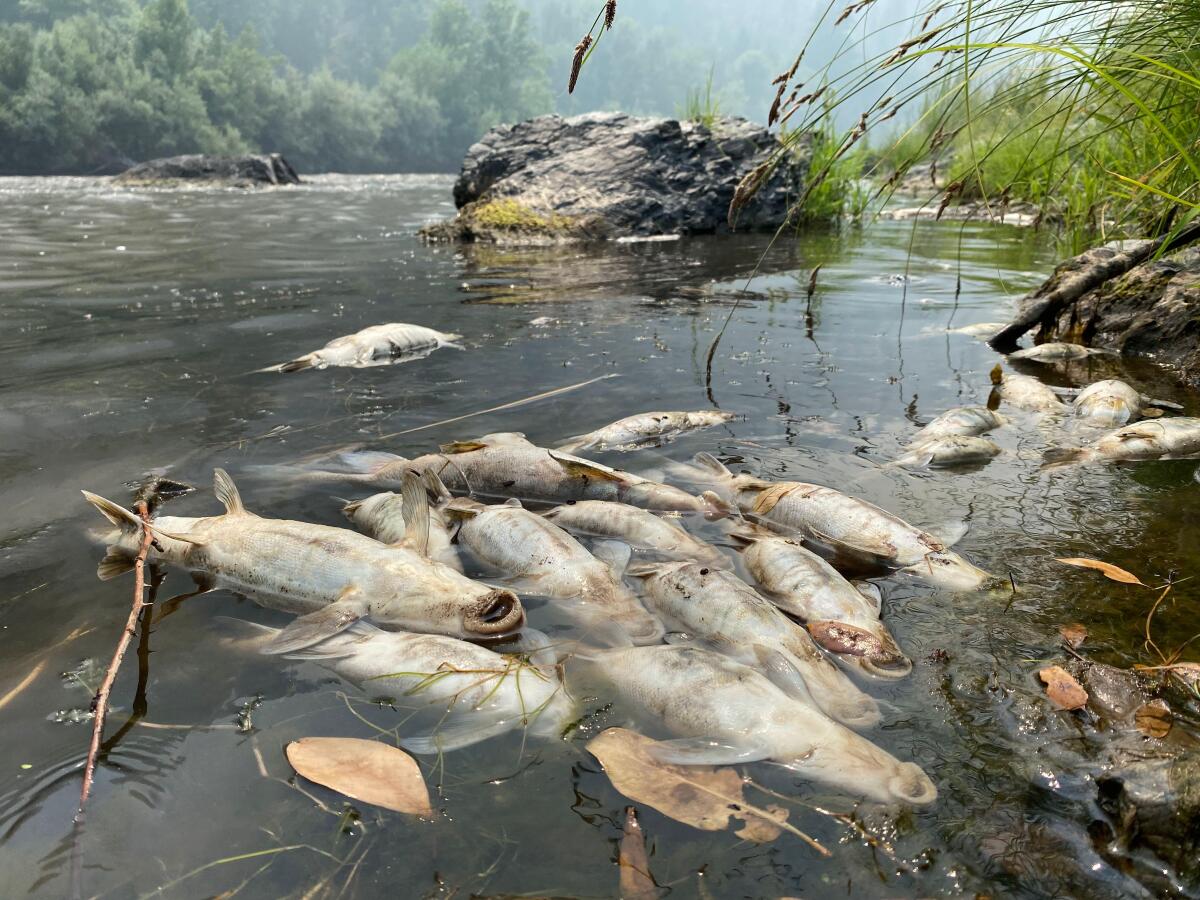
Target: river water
130	325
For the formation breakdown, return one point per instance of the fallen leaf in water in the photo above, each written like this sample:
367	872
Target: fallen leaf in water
363	770
1116	573
701	796
1074	634
636	881
1153	719
1062	689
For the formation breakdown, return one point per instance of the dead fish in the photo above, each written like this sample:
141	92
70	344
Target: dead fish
381	516
520	470
332	575
717	609
726	713
979	329
1025	392
948	450
464	693
549	562
847	526
1175	438
965	420
842	618
1109	402
1055	351
634	431
638	528
379	343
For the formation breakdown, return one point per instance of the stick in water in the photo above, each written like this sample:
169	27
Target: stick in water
100	701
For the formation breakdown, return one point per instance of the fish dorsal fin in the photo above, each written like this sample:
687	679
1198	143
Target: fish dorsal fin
462	446
614	554
586	468
949	533
711	465
227	493
513	501
439	494
127	521
414	507
717	507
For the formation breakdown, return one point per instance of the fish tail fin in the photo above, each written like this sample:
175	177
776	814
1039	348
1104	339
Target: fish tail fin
716	507
439	494
1064	456
123	518
116	563
711	465
414	507
451	340
295	365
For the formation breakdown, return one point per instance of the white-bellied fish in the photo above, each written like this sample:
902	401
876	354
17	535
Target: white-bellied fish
376	345
965	420
724	713
645	428
331	576
1025	392
841	617
1056	351
1174	438
381	516
948	451
716	608
639	528
1109	402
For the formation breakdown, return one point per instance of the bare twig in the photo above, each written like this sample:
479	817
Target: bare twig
100	701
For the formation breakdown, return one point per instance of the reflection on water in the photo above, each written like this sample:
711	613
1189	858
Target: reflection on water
130	323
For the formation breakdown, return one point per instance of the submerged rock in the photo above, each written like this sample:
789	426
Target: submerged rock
610	175
230	171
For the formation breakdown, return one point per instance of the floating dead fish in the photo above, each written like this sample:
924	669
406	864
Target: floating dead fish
1176	438
726	713
638	528
847	526
515	468
947	451
717	609
1055	351
1025	392
466	693
550	563
841	617
652	427
377	345
964	420
332	576
1109	402
381	516
979	329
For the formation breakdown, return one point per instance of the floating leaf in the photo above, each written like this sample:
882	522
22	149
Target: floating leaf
1153	719
701	796
636	880
1062	689
363	770
1116	573
1073	634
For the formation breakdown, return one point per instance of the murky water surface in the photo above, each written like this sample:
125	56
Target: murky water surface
130	322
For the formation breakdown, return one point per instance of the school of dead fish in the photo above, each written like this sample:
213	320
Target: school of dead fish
769	666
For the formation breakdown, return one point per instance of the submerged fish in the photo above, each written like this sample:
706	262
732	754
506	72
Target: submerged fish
1108	402
948	450
1176	438
1056	351
466	693
549	562
382	517
725	713
332	576
379	343
841	617
964	420
513	468
718	609
634	431
1025	392
638	528
848	526
979	329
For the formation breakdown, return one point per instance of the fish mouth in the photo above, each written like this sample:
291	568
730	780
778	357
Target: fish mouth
499	613
911	785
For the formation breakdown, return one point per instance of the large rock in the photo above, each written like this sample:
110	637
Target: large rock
1152	311
235	171
607	175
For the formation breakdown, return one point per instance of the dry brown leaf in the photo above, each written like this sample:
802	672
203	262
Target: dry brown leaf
1153	719
1116	573
636	881
1062	689
363	770
701	796
1073	634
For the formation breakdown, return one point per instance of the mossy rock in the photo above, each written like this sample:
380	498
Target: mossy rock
506	220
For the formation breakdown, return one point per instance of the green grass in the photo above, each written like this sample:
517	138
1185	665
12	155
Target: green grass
701	105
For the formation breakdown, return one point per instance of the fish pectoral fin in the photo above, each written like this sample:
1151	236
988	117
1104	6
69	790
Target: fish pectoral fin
782	673
1165	404
841	544
695	751
459	729
949	533
318	626
414	507
461	446
227	493
614	554
116	562
585	468
871	592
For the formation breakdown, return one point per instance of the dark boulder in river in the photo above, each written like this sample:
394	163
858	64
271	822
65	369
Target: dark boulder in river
264	170
612	175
